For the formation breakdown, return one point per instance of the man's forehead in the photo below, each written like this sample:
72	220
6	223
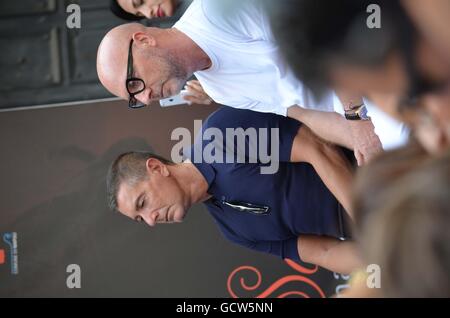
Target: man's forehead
126	196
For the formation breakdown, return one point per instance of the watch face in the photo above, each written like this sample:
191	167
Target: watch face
363	113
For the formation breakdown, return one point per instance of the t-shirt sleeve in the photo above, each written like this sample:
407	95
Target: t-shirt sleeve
237	17
244	123
282	249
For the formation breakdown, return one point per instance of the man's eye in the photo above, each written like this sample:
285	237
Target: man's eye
138	218
133	84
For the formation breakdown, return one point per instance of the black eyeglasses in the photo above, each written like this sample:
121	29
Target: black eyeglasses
134	85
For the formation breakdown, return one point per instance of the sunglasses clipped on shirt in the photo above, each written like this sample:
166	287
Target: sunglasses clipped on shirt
247	207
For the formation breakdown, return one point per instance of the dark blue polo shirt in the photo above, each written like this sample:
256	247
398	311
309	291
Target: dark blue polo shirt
298	200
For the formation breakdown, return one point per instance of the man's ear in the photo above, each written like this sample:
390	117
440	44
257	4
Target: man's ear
143	39
153	166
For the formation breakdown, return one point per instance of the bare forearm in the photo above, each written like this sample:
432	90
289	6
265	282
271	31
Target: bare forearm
336	173
329	162
330	253
342	257
329	126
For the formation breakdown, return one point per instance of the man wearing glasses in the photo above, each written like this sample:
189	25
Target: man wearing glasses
290	213
236	59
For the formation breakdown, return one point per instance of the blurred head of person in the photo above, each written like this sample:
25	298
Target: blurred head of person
432	19
372	180
133	10
402	226
339	44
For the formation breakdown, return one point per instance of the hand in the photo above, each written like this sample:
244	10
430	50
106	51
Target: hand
196	94
366	143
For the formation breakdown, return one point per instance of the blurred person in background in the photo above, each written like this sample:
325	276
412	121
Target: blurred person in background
402	221
395	66
372	184
432	19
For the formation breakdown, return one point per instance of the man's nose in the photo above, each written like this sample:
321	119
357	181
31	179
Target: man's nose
145	96
150	218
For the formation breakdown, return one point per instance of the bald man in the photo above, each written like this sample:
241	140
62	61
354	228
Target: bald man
233	54
156	60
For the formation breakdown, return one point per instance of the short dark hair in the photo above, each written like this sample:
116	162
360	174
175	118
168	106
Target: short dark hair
314	34
128	167
121	13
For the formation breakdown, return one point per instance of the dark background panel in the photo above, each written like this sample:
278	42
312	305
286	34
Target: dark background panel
26	7
42	61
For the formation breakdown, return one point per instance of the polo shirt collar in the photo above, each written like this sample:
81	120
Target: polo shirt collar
208	173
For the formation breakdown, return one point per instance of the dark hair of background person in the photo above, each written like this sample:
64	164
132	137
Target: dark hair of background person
315	34
180	7
128	167
121	13
404	226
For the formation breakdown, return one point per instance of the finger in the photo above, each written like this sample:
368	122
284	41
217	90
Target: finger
359	158
197	90
207	101
194	82
195	85
193	92
200	97
194	99
203	101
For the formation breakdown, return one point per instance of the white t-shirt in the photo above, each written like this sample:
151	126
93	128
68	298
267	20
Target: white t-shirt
247	69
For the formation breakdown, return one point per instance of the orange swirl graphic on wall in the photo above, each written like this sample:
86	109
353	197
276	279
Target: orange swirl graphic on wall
277	284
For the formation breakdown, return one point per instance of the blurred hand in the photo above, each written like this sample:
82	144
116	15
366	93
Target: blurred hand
196	94
367	145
